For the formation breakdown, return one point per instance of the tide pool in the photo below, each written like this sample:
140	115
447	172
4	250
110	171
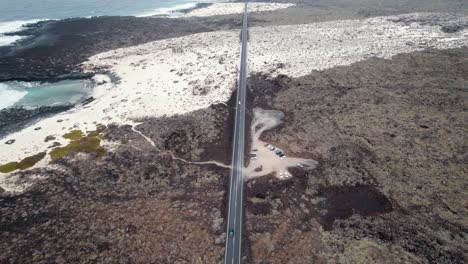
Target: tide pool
33	94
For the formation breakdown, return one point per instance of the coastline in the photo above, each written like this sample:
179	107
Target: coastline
46	64
175	71
371	96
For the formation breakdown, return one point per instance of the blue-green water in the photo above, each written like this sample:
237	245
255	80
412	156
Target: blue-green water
31	95
16	13
14	10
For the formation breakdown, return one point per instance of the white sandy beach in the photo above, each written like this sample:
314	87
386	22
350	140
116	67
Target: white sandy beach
180	75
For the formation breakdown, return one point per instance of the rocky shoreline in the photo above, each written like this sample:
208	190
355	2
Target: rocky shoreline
386	124
55	50
15	118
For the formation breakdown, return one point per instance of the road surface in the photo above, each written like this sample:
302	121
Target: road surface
234	221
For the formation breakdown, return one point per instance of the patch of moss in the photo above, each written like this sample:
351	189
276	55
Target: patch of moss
9	167
74	135
89	143
25	163
30	161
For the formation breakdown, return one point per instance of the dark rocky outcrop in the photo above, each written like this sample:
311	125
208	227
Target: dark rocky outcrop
16	118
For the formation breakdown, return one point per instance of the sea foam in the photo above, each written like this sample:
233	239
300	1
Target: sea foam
9	96
13	26
174	10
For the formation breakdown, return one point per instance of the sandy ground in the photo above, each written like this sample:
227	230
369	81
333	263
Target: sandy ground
267	161
296	50
234	8
168	77
180	75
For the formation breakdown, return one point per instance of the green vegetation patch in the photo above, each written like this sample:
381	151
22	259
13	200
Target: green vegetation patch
74	135
23	164
80	143
9	167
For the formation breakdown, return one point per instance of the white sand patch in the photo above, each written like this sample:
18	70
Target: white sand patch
168	77
300	49
235	8
172	76
180	75
266	160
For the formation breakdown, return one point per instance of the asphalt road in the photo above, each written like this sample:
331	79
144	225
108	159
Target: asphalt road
234	221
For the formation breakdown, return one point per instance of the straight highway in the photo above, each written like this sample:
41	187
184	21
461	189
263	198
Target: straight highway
234	221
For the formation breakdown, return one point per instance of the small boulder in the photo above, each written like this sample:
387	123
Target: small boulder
55	144
101	82
49	138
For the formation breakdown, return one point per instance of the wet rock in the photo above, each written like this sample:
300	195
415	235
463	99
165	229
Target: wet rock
87	101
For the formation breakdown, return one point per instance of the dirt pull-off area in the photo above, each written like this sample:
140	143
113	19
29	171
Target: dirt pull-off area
391	182
265	158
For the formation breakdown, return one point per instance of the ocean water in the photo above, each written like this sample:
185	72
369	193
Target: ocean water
34	94
14	14
9	96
